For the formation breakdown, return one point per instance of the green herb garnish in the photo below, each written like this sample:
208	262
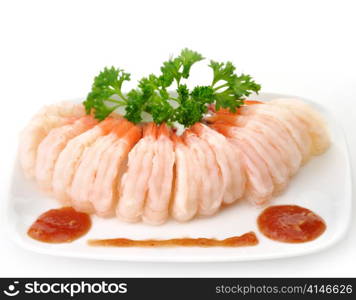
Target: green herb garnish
227	90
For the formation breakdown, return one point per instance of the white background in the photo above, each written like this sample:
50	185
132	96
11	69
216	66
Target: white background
50	51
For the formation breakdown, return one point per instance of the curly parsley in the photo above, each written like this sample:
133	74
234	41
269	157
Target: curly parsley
227	90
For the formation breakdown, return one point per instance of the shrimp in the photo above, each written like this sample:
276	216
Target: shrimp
64	109
279	139
276	134
296	129
266	152
150	173
46	119
161	178
69	159
52	145
134	183
314	121
259	185
186	186
210	180
89	164
113	164
229	162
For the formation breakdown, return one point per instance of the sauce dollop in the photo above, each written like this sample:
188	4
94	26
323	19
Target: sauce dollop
247	239
61	225
290	224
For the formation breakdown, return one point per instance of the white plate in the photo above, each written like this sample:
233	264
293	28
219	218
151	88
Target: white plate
323	185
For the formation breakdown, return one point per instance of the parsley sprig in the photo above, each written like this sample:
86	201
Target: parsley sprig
227	90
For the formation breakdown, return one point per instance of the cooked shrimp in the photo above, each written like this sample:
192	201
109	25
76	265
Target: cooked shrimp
149	172
113	163
161	179
48	118
69	159
134	183
186	186
64	109
210	180
266	152
276	134
259	186
85	174
278	138
297	129
315	123
52	145
229	162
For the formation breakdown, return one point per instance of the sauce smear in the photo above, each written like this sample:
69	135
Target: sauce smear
247	239
290	224
61	225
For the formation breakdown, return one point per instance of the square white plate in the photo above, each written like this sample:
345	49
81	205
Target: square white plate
322	185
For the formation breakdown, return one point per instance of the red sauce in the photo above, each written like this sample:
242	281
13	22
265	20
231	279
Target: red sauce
61	225
290	224
247	239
